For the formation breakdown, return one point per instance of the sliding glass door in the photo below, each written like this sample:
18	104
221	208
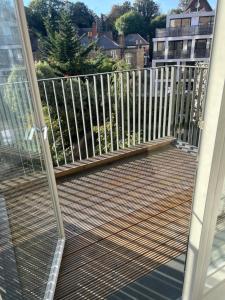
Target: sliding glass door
31	231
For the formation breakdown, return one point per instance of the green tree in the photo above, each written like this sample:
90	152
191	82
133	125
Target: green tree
81	15
117	11
131	22
148	9
40	11
183	4
62	48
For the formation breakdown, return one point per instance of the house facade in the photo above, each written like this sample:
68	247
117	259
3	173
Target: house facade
187	37
133	48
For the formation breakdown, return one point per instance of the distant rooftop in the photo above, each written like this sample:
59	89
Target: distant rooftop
134	39
102	41
198	5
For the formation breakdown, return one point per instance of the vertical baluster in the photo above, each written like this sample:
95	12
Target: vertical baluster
50	121
83	116
187	107
160	103
59	121
179	70
27	108
139	107
110	111
97	115
150	105
134	110
145	104
190	130
75	118
171	102
90	115
67	119
182	104
128	109
103	109
156	103
116	111
196	133
122	109
165	102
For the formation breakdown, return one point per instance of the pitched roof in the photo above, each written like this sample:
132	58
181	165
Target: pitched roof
102	41
135	39
106	43
203	6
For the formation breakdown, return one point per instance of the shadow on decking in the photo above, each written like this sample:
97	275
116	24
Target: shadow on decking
123	221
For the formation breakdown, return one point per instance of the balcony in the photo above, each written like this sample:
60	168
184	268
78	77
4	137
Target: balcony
183	31
125	183
159	54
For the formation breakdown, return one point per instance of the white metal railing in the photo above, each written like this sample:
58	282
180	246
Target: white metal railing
91	115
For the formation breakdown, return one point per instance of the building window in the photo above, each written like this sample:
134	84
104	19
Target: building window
176	45
4	59
206	21
161	46
186	22
128	58
200	48
113	54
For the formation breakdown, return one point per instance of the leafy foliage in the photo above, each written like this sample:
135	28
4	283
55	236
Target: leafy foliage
81	16
183	4
130	22
148	9
63	49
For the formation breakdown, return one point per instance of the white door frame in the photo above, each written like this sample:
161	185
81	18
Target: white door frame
39	119
210	175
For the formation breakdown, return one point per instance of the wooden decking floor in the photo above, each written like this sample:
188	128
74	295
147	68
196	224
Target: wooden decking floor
123	221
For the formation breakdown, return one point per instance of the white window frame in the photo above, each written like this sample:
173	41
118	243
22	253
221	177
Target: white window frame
210	174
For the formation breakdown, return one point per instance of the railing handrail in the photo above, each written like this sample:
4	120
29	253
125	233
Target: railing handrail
106	113
190	30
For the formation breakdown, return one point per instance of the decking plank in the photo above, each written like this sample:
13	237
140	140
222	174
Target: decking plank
123	220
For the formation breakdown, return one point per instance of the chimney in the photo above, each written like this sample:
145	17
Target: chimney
94	30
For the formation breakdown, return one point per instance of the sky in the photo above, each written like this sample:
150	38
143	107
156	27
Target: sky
104	6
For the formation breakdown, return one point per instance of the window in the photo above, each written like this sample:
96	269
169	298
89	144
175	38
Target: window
206	21
175	23
186	22
176	45
161	46
200	48
200	44
128	58
113	54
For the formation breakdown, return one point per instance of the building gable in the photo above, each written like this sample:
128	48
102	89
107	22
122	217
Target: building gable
198	5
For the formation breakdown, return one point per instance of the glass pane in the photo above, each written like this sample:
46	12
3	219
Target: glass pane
28	227
175	23
186	22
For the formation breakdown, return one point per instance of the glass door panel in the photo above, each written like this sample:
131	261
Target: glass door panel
29	228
